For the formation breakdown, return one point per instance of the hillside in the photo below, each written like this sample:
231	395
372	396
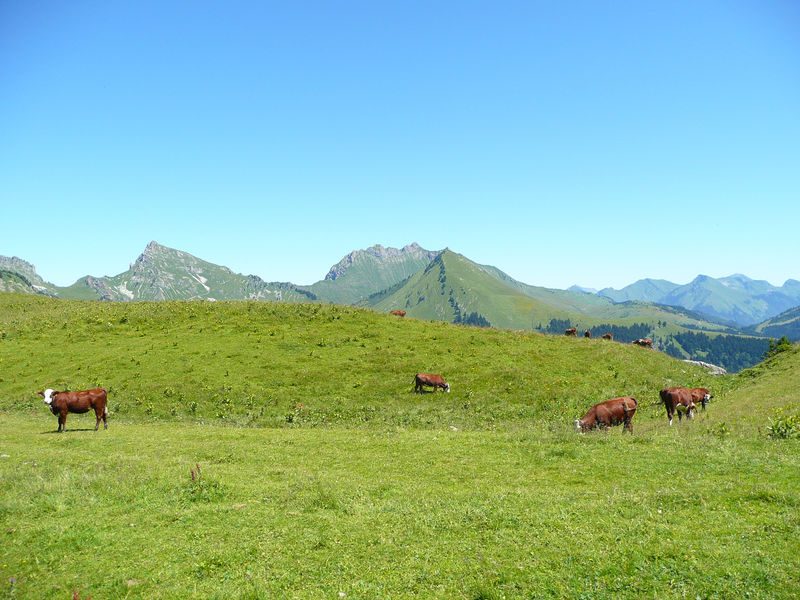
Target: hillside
365	272
278	364
785	324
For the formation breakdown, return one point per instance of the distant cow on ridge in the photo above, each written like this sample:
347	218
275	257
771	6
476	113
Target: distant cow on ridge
571	331
608	336
398	313
644	342
62	403
587	334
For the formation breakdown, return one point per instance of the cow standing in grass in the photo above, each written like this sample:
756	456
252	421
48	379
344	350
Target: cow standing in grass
431	380
63	403
609	413
678	400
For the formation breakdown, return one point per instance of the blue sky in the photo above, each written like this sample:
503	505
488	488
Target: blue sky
564	142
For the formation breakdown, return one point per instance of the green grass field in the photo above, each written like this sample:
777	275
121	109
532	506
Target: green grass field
323	476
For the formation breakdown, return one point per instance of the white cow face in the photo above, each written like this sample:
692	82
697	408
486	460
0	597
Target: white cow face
48	396
578	427
447	387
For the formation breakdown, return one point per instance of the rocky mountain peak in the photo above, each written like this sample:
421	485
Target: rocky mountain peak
380	254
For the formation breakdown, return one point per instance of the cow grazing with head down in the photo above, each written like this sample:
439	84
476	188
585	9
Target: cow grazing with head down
608	336
431	380
680	400
398	313
571	331
609	413
644	342
63	403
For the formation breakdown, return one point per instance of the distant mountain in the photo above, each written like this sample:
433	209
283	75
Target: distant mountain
644	290
736	299
17	275
785	324
453	288
578	288
162	273
365	272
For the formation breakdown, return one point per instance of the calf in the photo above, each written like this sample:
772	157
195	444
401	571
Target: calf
678	399
62	403
431	380
608	413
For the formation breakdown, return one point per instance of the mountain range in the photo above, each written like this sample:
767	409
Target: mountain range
736	299
445	285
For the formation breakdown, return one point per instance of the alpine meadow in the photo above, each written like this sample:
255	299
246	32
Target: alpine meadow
261	450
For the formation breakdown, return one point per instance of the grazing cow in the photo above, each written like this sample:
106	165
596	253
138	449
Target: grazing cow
608	336
644	342
608	413
398	313
62	403
571	331
701	395
678	399
431	380
587	334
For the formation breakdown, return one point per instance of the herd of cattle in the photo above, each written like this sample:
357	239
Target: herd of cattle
612	412
573	331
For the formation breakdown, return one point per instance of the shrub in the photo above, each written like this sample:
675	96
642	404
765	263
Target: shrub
784	426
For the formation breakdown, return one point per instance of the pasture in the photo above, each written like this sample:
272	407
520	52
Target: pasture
322	475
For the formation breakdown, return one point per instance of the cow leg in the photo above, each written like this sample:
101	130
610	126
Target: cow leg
62	421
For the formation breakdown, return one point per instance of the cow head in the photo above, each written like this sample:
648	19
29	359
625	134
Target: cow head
47	395
446	387
578	425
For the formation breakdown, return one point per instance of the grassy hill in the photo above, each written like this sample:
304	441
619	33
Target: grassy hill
310	364
269	450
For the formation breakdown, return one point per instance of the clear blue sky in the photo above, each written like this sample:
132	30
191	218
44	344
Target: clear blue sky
564	142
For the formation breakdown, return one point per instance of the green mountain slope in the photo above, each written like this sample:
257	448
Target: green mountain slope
365	272
785	324
453	287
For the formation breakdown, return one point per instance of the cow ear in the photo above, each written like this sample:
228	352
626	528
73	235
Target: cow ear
40	394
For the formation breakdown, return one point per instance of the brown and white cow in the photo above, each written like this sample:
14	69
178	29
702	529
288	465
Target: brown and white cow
398	313
644	342
609	413
571	331
62	403
701	395
680	400
431	380
608	336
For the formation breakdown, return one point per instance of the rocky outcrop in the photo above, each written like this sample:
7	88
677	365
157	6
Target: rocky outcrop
713	369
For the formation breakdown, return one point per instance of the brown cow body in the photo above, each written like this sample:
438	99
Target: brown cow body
680	400
398	313
644	342
571	331
431	380
609	413
63	403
